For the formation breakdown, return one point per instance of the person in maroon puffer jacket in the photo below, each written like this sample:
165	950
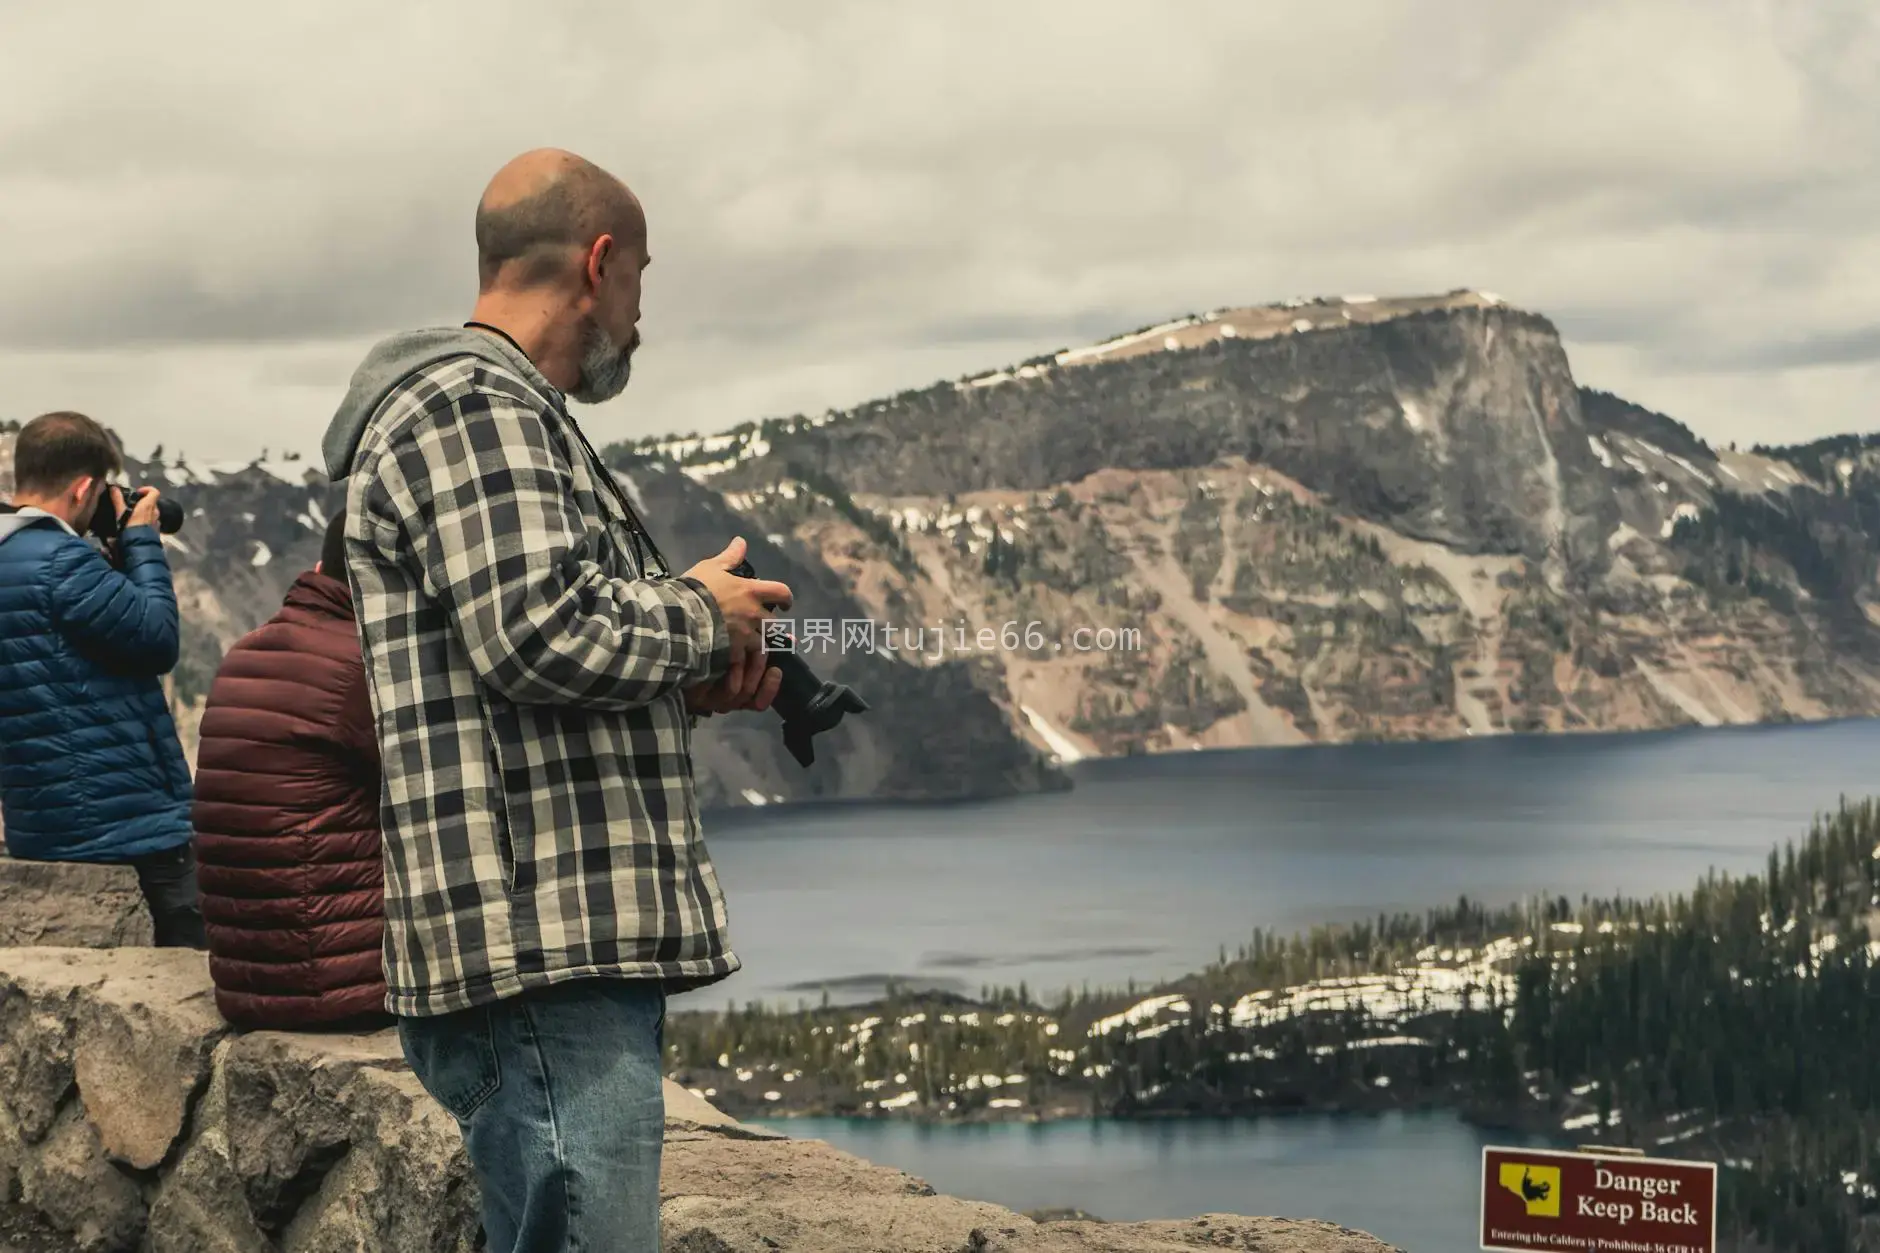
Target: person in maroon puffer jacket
287	818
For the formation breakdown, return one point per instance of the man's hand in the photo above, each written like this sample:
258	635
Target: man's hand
720	698
145	511
745	604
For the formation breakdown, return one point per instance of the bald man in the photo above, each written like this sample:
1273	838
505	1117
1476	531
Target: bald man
535	669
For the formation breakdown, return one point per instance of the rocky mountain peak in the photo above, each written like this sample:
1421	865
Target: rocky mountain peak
1330	519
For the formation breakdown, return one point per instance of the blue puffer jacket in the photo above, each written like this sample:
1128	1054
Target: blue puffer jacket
90	767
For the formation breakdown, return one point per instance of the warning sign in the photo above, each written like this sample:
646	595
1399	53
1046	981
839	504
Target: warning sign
1593	1203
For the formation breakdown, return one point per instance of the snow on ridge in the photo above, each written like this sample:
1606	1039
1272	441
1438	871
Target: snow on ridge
262	555
1212	319
698	443
747	450
1142	1012
1691	469
699	473
1388	997
288	469
1096	350
743	445
1600	450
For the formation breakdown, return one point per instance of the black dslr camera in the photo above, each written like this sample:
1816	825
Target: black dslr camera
107	524
807	705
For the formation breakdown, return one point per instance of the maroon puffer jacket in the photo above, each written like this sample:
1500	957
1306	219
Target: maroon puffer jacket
287	821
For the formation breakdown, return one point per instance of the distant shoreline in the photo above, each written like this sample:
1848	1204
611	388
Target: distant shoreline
1524	1124
1122	764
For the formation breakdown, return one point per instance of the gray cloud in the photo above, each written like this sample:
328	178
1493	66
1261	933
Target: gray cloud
208	215
1853	347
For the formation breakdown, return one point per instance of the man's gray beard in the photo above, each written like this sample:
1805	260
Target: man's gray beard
604	367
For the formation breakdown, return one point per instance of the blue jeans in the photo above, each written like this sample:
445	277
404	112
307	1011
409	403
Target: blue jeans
558	1094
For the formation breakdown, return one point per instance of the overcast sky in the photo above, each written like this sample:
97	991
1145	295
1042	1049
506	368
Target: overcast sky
205	219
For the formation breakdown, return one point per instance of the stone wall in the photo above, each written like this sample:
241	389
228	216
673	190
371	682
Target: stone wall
64	904
131	1118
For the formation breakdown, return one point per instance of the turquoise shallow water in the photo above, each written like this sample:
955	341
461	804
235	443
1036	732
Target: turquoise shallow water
1410	1179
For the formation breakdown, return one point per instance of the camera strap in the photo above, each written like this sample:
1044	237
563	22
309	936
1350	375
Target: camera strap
642	538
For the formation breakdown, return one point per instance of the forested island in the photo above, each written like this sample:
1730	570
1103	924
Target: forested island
1731	1024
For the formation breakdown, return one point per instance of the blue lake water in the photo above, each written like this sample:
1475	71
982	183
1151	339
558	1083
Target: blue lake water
1151	865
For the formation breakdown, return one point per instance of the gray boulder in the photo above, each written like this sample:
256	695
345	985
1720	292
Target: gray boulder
70	905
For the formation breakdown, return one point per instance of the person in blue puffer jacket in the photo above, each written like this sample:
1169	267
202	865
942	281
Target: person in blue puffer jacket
90	766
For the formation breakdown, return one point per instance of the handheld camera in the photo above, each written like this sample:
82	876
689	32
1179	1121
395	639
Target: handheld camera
807	705
107	524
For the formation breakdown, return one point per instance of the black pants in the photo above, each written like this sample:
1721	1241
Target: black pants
169	883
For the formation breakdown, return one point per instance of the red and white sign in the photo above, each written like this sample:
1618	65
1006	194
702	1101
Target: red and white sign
1596	1203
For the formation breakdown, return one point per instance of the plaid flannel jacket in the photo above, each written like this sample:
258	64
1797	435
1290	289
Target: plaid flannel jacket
539	813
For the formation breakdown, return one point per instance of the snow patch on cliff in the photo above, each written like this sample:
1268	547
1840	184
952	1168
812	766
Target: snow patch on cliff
1061	744
1684	511
1693	708
632	490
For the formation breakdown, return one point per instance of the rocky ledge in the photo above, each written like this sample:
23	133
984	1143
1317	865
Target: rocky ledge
131	1117
66	904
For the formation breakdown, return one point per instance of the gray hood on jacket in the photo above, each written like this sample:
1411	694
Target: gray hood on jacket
12	524
394	360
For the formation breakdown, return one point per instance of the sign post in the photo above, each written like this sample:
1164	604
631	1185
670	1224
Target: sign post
1596	1202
